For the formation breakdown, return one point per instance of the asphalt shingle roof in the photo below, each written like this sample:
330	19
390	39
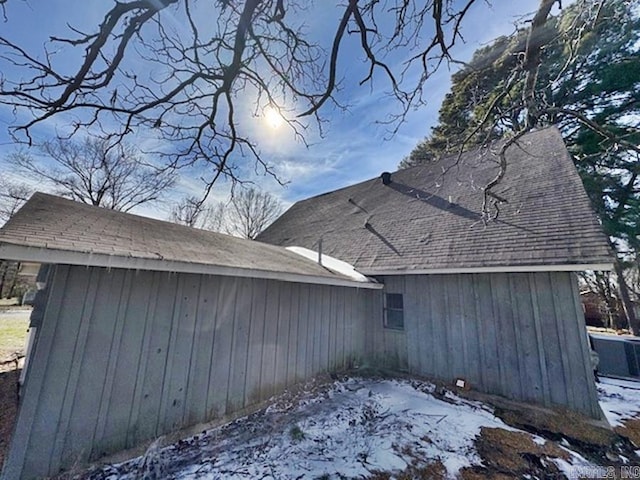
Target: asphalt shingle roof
429	218
47	223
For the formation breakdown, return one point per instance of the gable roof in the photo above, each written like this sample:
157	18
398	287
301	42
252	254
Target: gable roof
427	220
50	229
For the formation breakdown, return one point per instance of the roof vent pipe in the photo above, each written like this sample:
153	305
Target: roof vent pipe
386	178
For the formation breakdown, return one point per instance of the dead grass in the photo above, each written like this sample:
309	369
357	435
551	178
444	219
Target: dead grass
431	471
515	453
631	431
13	333
4	302
558	423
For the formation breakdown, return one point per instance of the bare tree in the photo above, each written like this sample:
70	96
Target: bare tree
12	196
193	212
178	68
96	172
251	211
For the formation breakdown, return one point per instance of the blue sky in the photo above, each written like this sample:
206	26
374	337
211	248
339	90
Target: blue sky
353	147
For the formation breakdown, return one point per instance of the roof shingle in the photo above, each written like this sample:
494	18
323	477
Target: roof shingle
428	218
98	236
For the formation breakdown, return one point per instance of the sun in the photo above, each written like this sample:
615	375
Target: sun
272	117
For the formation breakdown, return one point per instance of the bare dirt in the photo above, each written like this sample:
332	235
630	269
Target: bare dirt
8	408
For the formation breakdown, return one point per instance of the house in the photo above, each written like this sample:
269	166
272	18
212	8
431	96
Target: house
144	327
495	304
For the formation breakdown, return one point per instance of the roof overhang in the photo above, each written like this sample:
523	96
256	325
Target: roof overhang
600	267
10	251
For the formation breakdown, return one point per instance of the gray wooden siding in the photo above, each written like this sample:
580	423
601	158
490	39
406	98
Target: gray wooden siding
125	356
389	346
520	335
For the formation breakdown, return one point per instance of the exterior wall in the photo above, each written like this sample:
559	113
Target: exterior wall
388	347
519	335
125	356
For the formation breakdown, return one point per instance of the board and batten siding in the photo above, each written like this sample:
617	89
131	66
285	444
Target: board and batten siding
125	356
519	335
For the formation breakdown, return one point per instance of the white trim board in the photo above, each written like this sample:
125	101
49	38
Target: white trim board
503	269
56	256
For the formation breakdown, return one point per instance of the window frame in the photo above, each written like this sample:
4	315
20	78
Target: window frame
394	309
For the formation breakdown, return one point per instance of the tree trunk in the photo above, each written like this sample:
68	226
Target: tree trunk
5	266
627	305
14	280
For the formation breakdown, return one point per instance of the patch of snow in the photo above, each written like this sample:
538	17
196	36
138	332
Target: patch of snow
351	429
355	428
579	467
333	264
619	399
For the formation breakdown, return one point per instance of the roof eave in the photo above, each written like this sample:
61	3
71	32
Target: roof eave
9	251
581	267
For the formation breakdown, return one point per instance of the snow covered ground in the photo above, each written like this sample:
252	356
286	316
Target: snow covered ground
619	399
349	429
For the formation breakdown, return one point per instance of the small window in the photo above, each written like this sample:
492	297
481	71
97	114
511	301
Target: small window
394	311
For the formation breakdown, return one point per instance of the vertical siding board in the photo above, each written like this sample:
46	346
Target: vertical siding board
559	312
566	316
303	332
364	326
33	435
200	370
422	320
411	322
182	351
455	327
256	341
349	297
329	321
439	329
378	332
221	355
321	298
539	339
338	330
549	325
294	325
429	335
375	310
282	341
149	414
240	345
164	420
471	332
119	304
503	341
315	299
488	347
593	407
372	325
127	361
312	294
69	404
528	348
325	321
134	432
268	372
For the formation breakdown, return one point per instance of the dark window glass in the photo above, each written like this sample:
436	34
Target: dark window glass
394	317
